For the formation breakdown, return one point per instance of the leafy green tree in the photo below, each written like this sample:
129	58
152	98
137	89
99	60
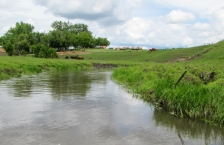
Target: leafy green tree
78	28
59	39
72	28
75	40
18	38
22	44
1	40
65	34
43	51
40	38
21	40
10	48
85	40
102	41
20	28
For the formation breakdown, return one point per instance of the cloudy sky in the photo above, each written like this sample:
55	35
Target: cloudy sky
149	23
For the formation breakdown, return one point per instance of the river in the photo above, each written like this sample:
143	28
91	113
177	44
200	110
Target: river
86	107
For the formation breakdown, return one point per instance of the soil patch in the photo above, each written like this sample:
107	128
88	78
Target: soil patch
2	50
72	53
192	57
179	59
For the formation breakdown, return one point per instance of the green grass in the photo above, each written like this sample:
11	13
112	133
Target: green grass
142	56
192	97
18	65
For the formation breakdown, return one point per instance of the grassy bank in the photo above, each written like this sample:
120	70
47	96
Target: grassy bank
20	65
198	95
192	97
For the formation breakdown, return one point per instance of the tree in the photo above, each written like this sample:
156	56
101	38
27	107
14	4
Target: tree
40	38
22	44
20	28
65	34
1	40
18	39
72	28
43	51
21	39
59	39
102	41
85	40
78	28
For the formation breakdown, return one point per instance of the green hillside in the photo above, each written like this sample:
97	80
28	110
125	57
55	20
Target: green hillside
215	53
143	56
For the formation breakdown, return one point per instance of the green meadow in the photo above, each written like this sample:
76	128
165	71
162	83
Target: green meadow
155	75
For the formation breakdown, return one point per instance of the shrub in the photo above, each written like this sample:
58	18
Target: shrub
43	51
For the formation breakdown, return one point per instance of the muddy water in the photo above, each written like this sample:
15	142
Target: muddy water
88	108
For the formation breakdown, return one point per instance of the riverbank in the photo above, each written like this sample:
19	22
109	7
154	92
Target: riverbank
198	95
19	65
191	88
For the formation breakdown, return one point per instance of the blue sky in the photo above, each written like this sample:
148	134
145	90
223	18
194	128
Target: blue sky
146	23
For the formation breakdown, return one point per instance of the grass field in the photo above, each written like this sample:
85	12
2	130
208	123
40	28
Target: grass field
143	56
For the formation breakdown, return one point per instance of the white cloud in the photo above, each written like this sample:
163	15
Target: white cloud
178	16
5	4
215	15
192	5
134	3
81	9
201	26
136	28
5	29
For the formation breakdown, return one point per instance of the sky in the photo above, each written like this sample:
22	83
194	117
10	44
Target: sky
145	23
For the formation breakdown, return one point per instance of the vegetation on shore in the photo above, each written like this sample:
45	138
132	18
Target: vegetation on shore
200	93
16	66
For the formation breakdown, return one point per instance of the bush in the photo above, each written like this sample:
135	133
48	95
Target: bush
42	51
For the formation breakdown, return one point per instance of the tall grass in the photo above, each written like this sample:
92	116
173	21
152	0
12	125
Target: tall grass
191	98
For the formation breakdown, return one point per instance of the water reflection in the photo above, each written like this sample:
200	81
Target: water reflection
62	85
189	128
69	84
22	88
87	107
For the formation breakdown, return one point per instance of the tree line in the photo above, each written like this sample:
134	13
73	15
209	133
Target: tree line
22	40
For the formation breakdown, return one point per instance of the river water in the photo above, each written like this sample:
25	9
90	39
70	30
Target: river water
88	108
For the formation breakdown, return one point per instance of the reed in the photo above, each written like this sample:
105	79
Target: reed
191	98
